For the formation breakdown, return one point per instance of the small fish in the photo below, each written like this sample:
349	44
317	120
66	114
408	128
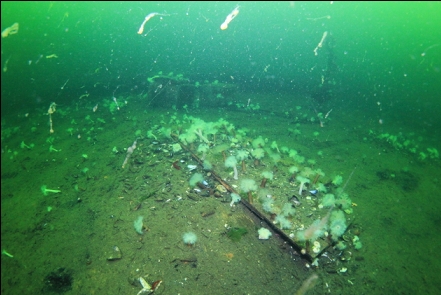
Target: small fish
313	192
295	201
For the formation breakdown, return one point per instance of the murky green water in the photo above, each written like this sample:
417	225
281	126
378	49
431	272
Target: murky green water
353	88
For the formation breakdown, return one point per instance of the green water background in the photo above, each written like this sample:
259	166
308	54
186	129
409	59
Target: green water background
388	58
375	43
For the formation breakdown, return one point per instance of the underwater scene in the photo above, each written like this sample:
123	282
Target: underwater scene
220	147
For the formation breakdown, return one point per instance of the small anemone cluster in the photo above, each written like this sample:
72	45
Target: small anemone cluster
203	131
220	140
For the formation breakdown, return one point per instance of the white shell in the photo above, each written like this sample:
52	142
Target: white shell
146	288
191	167
316	247
144	284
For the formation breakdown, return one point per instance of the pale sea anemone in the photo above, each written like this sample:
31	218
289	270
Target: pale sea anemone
321	187
268	204
258	142
258	153
264	233
234	199
197	177
241	155
337	224
328	200
207	165
338	180
344	202
189	238
247	186
302	181
313	232
283	222
293	169
203	148
338	228
231	162
288	209
267	175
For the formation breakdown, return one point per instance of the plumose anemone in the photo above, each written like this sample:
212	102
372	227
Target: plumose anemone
302	181
231	162
258	155
189	238
338	228
248	185
196	180
328	200
266	175
241	156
